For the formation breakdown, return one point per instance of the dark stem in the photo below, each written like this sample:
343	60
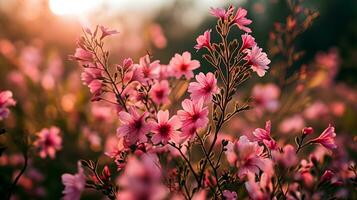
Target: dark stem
13	185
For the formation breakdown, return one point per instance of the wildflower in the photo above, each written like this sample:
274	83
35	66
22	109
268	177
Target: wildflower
90	74
74	184
205	87
133	127
247	41
6	101
183	65
263	135
82	55
95	87
228	195
193	115
48	141
204	40
327	138
107	32
241	21
147	69
221	12
259	190
258	60
266	97
307	130
165	129
160	92
287	157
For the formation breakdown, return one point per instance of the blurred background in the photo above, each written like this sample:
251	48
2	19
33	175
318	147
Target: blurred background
36	37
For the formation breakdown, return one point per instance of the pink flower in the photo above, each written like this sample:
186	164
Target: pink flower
6	101
82	55
266	97
147	69
106	32
193	115
327	138
205	87
74	184
247	41
241	21
142	179
293	124
95	87
228	195
221	12
258	60
133	126
90	74
204	40
307	130
259	190
160	92
263	135
48	142
165	129
183	65
287	157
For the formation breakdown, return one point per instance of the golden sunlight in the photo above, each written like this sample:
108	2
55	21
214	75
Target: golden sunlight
73	7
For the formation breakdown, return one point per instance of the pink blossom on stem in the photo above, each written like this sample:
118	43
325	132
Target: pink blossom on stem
82	55
160	92
204	40
95	87
307	130
205	87
146	69
74	184
48	142
221	12
263	135
241	21
287	157
6	101
90	74
107	32
183	65
133	126
247	41
258	60
327	138
166	128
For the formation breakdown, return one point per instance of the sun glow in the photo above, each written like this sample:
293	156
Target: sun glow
73	7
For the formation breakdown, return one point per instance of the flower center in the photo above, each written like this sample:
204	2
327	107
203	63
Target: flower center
164	129
184	67
138	124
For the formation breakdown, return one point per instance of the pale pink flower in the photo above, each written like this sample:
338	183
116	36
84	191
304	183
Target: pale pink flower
6	101
166	128
266	97
221	12
228	195
204	40
90	74
316	110
48	142
107	32
247	41
147	69
259	190
205	87
263	135
74	184
159	92
133	126
241	21
183	65
292	124
193	115
158	36
258	60
287	157
95	87
114	146
327	138
82	55
141	179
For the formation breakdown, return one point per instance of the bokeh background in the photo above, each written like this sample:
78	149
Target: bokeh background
36	37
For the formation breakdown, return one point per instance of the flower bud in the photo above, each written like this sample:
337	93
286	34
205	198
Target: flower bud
307	130
327	176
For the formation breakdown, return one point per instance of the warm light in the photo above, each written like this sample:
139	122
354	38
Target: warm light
73	7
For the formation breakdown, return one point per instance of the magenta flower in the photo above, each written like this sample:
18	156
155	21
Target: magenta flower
133	126
147	69
205	87
193	115
263	135
165	128
6	101
258	60
204	40
48	142
74	184
247	41
82	55
241	21
183	65
106	32
159	92
327	138
221	12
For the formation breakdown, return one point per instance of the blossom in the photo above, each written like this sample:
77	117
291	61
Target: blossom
221	12
205	87
6	101
241	21
48	142
266	97
204	40
247	41
146	69
259	190
287	157
82	55
193	115
307	130
228	195
90	74
183	65
160	92
292	124
263	135
74	184
258	60
95	87
165	128
133	127
327	138
106	32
